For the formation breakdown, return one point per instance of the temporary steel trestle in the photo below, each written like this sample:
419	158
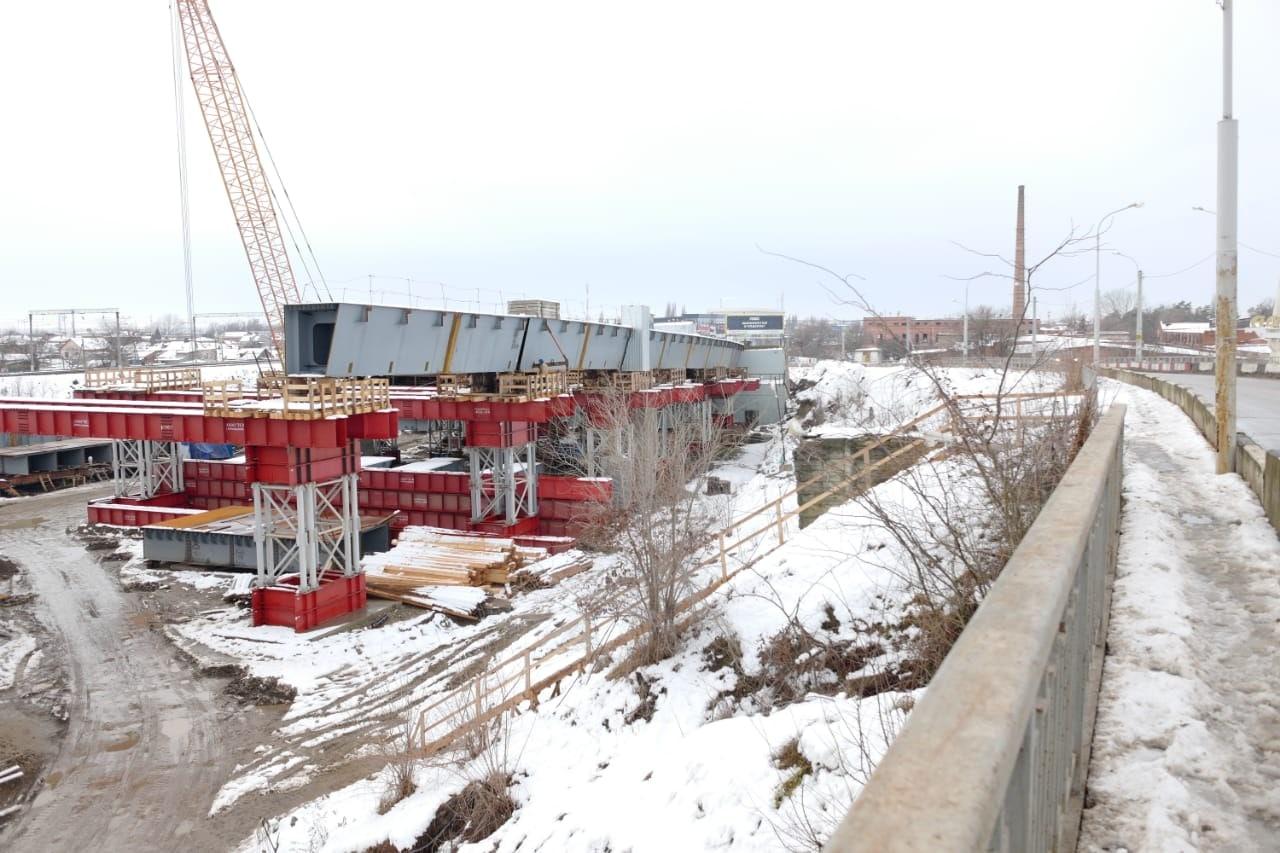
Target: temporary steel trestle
504	482
306	528
143	469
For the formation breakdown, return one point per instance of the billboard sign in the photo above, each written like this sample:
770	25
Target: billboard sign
754	322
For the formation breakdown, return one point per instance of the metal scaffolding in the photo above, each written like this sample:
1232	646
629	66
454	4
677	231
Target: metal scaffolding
144	469
504	481
308	529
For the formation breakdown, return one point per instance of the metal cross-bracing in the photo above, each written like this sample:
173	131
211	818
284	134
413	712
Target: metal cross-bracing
306	529
504	482
144	469
226	117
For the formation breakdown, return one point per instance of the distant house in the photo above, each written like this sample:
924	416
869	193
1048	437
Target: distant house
1201	334
70	348
867	355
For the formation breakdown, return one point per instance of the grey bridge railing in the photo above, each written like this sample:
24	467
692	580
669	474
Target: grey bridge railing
995	754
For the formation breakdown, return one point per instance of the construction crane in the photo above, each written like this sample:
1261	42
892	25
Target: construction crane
227	119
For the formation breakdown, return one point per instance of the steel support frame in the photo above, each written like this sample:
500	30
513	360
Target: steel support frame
504	492
144	469
307	528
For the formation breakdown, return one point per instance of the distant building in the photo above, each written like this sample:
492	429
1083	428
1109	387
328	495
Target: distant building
756	329
534	308
915	333
1201	333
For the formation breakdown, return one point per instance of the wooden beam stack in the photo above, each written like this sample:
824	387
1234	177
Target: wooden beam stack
427	556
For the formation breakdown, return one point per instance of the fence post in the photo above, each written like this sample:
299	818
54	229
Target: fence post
528	675
586	633
724	561
777	514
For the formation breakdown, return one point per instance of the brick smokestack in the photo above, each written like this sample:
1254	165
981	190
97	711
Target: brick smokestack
1020	262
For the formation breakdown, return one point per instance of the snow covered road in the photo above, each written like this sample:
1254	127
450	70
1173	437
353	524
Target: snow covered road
1187	745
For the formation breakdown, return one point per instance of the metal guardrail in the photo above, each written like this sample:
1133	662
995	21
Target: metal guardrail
995	754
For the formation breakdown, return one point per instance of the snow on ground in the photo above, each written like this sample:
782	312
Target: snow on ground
590	775
13	653
352	683
59	386
1186	752
840	398
589	770
702	772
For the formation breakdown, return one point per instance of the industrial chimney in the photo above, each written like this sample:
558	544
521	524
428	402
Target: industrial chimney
1020	263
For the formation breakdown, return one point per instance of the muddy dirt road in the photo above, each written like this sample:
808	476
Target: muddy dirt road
147	743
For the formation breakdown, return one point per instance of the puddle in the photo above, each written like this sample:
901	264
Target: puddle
129	741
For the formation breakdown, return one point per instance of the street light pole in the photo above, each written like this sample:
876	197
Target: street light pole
1225	305
1138	331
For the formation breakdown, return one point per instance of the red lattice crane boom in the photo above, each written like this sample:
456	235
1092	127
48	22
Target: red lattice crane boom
226	117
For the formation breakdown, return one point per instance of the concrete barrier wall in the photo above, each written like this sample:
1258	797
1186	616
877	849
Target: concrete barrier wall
994	755
1258	467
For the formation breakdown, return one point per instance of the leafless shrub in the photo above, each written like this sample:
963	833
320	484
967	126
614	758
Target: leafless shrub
659	461
398	751
805	816
485	759
958	515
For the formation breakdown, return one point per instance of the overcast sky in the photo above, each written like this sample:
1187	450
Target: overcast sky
547	148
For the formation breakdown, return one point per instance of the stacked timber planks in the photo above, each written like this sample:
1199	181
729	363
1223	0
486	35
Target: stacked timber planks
429	557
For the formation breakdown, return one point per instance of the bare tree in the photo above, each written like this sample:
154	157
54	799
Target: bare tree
659	461
1119	302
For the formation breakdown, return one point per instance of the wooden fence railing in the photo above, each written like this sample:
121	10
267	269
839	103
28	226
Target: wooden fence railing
575	645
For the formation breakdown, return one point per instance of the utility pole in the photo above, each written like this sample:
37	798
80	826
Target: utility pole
966	321
1097	279
1225	305
1138	331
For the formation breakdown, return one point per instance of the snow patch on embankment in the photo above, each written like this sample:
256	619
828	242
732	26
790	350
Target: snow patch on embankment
841	398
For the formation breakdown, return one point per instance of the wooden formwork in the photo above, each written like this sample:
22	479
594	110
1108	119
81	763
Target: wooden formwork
452	384
145	378
621	380
298	398
709	374
316	397
633	380
667	376
224	398
543	383
272	381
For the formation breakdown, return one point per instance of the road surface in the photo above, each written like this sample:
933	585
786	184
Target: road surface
147	743
1257	403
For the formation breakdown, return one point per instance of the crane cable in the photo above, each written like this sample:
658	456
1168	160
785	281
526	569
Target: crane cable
176	45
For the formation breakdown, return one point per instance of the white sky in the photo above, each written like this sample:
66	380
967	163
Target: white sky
539	148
